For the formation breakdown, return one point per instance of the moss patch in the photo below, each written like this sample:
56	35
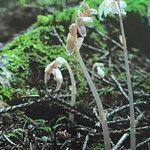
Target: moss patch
29	53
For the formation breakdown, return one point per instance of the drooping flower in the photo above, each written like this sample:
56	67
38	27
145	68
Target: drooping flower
53	68
73	43
99	69
108	6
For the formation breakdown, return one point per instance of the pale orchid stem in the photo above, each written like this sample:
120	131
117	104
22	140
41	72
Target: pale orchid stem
102	116
73	89
129	84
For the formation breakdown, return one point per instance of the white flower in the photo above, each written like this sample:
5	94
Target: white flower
99	69
108	6
53	68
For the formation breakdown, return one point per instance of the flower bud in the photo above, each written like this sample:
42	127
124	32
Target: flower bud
99	69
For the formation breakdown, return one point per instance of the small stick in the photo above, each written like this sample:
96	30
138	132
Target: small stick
119	86
118	121
124	107
143	143
122	91
123	138
11	142
94	48
107	37
127	130
85	142
57	35
66	106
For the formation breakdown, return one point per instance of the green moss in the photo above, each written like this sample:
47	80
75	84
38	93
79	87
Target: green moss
44	20
138	6
5	92
66	16
97	147
30	52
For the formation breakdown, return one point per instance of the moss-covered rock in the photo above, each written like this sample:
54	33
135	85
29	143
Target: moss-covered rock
28	54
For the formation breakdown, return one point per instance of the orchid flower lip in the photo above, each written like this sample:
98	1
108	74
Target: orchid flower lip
58	77
87	19
80	24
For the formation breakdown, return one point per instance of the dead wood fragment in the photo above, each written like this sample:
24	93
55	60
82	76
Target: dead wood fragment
143	143
85	142
119	109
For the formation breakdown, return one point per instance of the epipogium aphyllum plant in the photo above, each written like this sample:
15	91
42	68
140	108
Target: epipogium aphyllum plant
117	7
53	68
73	46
